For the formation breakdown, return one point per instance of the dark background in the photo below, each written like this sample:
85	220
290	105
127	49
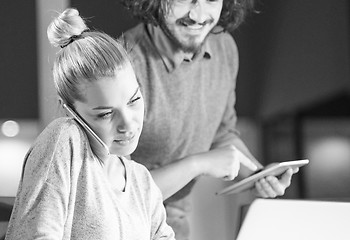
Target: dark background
292	53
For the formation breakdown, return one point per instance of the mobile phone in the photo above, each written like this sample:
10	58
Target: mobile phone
99	148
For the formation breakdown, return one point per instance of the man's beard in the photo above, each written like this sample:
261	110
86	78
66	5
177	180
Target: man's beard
191	46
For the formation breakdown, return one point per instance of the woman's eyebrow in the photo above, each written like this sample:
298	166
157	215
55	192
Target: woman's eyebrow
108	107
137	90
101	108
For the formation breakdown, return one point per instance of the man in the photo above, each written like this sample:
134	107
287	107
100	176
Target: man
187	65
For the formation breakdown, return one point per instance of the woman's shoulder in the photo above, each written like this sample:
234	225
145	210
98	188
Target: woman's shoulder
63	125
59	145
60	136
138	170
142	180
135	165
62	128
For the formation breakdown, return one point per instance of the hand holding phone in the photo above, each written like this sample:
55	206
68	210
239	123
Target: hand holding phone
99	148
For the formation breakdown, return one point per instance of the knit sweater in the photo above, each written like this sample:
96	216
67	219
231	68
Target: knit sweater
65	194
189	103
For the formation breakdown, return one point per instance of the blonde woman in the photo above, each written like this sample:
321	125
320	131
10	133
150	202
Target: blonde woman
76	182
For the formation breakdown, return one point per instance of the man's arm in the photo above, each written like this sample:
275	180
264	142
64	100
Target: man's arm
218	163
227	134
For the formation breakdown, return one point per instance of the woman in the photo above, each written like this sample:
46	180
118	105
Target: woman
70	187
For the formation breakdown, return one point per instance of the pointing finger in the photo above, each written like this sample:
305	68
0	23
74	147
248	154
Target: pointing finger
245	160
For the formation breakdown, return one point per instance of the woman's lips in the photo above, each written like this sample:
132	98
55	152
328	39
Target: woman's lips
125	141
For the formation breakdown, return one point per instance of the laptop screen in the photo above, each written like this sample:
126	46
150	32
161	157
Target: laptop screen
272	219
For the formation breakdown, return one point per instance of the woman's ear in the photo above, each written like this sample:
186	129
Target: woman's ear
60	102
62	108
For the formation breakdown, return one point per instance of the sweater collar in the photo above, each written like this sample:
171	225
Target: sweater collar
171	55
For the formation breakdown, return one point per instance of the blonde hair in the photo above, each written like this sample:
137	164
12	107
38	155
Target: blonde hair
84	55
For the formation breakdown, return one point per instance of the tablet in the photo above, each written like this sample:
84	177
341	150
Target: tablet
273	169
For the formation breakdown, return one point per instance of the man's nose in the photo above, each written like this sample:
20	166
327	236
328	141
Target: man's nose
197	12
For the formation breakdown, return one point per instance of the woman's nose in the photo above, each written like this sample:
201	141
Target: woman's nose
124	122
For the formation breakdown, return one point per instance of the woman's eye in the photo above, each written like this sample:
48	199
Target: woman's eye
132	101
104	115
184	1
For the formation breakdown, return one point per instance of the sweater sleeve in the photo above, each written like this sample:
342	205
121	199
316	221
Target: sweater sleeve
159	229
227	132
42	200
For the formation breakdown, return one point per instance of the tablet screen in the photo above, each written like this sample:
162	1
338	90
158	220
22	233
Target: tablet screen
273	169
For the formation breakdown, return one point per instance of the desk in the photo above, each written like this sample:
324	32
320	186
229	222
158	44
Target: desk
275	219
6	204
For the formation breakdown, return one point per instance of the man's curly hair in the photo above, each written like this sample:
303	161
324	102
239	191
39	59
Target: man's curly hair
152	11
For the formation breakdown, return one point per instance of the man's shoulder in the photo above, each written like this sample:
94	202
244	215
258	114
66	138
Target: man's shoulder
134	37
222	44
134	33
224	39
139	45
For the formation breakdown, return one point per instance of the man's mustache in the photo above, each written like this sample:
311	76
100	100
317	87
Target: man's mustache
188	21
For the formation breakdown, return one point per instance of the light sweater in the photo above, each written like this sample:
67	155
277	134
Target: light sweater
189	103
65	194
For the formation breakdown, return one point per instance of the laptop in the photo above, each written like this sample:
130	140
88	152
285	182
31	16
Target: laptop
272	219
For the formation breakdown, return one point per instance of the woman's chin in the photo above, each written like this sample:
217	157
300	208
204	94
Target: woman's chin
124	150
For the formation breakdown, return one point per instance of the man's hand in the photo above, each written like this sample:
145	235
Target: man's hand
271	186
223	163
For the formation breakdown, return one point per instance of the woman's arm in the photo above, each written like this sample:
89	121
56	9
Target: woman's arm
40	209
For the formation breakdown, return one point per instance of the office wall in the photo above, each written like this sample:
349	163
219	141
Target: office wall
18	68
106	15
306	57
48	103
292	52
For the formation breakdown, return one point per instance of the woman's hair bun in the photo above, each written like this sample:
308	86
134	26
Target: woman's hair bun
62	28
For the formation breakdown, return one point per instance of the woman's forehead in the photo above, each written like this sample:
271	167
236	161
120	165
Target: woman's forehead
123	83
